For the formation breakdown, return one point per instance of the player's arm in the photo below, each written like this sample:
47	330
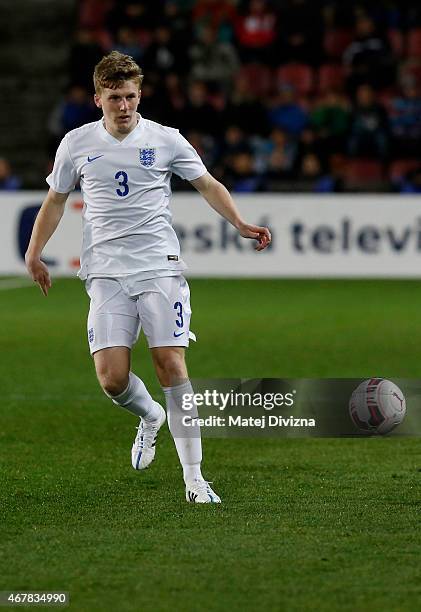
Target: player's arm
45	225
219	198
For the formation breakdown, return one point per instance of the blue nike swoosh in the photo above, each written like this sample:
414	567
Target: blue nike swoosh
91	159
177	335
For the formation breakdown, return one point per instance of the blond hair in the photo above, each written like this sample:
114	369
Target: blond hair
114	69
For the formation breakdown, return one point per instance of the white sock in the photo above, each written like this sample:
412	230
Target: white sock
187	439
137	399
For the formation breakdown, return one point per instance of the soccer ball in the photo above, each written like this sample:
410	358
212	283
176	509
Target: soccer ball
377	406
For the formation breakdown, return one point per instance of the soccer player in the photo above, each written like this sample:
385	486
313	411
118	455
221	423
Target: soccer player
130	258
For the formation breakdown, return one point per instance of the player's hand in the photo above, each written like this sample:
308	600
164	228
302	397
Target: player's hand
261	234
39	273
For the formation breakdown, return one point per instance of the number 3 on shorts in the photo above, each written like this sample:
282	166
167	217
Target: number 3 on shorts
178	306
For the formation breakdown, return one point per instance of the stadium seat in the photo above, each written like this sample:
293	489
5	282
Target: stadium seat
336	41
104	39
363	173
258	78
330	76
400	167
396	41
92	13
144	37
385	97
300	76
411	68
414	43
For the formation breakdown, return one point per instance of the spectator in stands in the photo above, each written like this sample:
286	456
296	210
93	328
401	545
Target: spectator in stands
339	14
369	133
155	103
205	145
85	53
301	37
220	15
211	60
198	114
310	172
410	183
313	178
280	141
278	155
164	56
414	15
246	110
133	14
241	175
334	180
178	19
330	120
405	120
8	180
368	57
278	169
74	111
235	141
256	32
308	142
174	100
286	113
127	42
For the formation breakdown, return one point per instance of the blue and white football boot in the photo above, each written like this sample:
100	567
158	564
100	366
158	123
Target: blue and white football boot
143	449
198	491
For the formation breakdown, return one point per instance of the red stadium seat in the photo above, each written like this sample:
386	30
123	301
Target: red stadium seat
414	43
104	39
330	76
386	97
336	41
396	41
411	68
258	77
400	167
300	76
92	13
144	37
363	173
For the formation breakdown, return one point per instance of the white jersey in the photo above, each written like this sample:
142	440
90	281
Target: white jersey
126	192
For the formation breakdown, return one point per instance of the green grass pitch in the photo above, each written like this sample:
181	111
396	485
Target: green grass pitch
306	524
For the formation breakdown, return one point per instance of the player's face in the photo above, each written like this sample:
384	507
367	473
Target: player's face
119	107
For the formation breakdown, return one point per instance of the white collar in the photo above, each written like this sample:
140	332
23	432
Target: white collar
111	139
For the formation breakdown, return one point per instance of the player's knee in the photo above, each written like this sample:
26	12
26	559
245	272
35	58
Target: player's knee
170	368
113	382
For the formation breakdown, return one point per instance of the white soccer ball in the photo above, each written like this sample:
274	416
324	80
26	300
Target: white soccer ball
377	406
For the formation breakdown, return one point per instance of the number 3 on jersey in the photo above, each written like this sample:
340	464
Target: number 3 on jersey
122	179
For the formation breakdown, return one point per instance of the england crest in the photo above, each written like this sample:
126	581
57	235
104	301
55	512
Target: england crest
147	157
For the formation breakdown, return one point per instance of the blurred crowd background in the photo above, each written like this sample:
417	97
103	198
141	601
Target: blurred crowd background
288	95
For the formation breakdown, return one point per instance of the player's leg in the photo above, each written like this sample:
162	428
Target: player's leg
170	366
112	367
113	327
172	374
165	315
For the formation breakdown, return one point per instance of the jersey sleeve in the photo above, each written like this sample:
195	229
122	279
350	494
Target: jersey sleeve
186	162
63	177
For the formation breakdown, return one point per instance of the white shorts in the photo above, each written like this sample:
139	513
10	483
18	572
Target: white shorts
160	306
